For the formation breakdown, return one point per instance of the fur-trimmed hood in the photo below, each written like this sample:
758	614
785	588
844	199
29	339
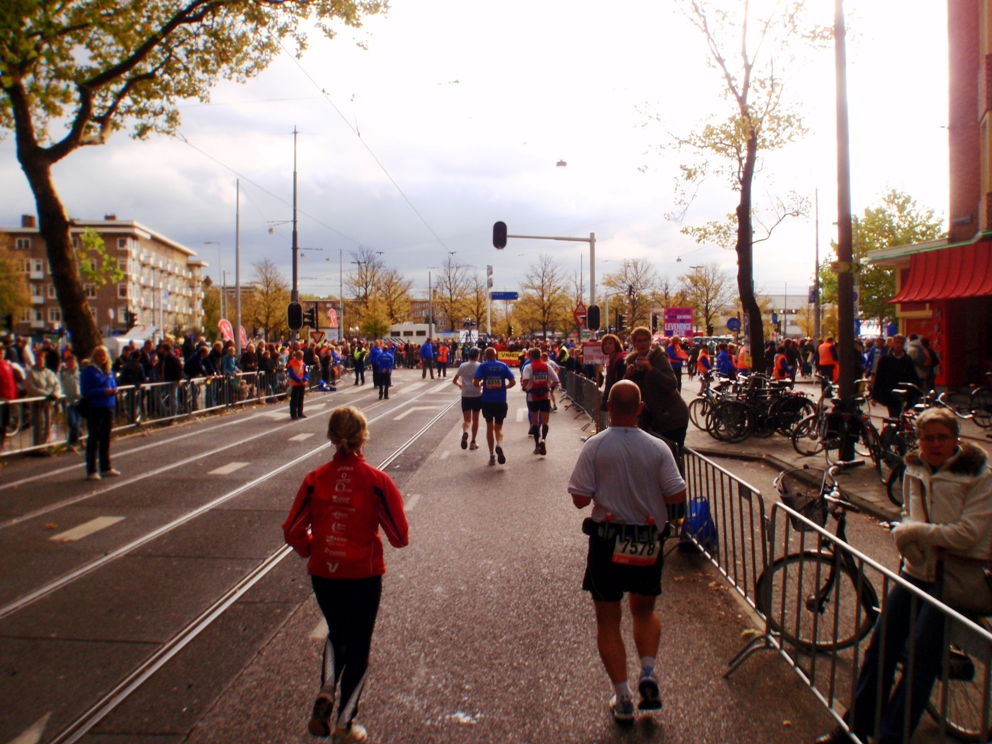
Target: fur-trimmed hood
968	460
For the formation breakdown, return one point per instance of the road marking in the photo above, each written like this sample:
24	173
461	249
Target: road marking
319	633
316	406
277	416
411	502
410	410
413	386
228	469
521	414
33	734
446	454
300	437
88	528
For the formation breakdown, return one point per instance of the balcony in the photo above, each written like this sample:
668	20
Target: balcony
36	275
37	324
37	300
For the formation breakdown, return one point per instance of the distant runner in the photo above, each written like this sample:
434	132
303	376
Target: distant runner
539	380
494	378
471	398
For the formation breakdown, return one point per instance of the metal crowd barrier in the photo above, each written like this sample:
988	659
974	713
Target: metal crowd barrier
586	396
37	424
820	599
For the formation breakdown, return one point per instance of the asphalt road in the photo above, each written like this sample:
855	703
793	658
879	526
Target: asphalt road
483	635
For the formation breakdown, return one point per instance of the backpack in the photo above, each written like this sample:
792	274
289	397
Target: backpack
699	526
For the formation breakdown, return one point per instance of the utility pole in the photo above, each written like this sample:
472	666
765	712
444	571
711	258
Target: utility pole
237	268
295	294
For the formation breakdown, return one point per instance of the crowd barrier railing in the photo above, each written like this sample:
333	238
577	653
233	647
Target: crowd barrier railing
37	424
823	602
586	396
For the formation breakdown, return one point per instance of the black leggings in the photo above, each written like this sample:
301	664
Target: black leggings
350	607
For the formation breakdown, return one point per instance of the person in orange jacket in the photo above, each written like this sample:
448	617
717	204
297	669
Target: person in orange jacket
299	375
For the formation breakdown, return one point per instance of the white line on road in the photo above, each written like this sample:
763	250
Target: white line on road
300	437
446	454
411	502
229	468
86	529
521	414
319	632
33	734
413	386
410	410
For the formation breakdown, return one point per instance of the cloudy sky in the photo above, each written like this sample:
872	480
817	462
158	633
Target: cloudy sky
456	114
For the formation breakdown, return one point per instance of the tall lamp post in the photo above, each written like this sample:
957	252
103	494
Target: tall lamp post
220	274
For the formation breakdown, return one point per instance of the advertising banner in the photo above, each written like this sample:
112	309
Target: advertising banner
592	353
509	358
678	321
226	329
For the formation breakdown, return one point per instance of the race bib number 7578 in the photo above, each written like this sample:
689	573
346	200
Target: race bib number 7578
637	546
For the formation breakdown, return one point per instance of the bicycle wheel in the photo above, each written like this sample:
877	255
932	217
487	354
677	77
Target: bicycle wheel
698	409
967	680
789	410
806	436
872	445
981	406
732	420
893	486
814	601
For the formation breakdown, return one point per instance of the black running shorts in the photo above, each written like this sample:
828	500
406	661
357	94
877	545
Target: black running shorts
471	404
495	412
539	406
608	581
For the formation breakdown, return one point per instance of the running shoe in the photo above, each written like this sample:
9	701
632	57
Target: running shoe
352	734
650	693
464	440
492	459
111	472
473	446
543	447
537	450
500	456
622	709
323	707
93	477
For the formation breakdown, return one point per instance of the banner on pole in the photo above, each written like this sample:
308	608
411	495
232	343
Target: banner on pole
678	321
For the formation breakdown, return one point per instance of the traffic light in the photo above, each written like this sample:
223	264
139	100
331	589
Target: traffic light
294	316
509	330
654	324
709	329
621	322
130	319
499	235
310	318
592	318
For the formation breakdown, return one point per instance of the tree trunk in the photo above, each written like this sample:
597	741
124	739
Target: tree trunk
745	259
53	224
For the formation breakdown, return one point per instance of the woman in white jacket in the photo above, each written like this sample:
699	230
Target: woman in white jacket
947	497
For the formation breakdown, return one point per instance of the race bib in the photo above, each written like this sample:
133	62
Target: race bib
493	383
635	545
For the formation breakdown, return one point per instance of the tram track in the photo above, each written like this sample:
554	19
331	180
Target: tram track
99	710
70	577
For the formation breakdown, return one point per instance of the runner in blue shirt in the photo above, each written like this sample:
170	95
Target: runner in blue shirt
385	363
495	378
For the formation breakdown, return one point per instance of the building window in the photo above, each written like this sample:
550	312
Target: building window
27	265
23	244
90	291
38	315
121	313
122	264
122	291
26	315
123	243
51	291
54	315
39	265
36	290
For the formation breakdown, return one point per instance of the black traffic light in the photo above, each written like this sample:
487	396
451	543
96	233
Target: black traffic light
654	324
294	316
709	329
499	235
621	322
509	330
592	318
310	318
130	319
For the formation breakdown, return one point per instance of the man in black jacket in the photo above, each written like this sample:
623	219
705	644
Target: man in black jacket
894	368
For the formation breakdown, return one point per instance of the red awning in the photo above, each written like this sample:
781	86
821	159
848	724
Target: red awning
949	273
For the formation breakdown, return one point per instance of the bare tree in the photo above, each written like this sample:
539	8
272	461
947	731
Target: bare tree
266	307
475	303
451	290
708	290
669	294
544	297
363	281
633	285
394	291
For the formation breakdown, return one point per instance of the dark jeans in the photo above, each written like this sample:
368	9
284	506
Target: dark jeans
360	373
350	607
99	423
428	364
385	380
296	393
926	629
442	369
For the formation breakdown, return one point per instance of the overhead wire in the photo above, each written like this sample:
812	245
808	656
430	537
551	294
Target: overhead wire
355	131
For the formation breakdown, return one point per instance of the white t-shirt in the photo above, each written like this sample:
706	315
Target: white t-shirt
466	371
627	473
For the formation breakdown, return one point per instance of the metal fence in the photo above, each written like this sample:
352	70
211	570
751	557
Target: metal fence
586	396
824	604
37	424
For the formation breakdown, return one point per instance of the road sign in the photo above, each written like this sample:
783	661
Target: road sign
580	313
812	295
505	295
317	336
734	325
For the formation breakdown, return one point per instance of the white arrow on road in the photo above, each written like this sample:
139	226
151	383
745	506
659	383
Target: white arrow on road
33	735
408	411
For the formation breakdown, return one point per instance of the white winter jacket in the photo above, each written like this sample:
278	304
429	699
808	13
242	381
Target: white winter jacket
958	500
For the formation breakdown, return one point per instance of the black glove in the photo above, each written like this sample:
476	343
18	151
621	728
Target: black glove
676	512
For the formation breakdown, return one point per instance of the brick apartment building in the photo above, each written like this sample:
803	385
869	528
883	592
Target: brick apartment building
161	286
944	287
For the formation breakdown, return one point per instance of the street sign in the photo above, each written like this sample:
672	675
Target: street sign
734	325
812	295
504	295
580	313
317	336
774	318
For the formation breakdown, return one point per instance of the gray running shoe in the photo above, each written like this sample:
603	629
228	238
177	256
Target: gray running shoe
650	693
323	707
622	709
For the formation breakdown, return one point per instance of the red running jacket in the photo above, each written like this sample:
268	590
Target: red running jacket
336	516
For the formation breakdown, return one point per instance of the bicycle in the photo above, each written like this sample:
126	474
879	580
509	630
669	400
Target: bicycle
807	595
980	404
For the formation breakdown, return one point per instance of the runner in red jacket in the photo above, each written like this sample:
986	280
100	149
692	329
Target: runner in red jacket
335	523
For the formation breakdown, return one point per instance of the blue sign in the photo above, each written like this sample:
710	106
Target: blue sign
812	295
504	295
734	325
774	318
